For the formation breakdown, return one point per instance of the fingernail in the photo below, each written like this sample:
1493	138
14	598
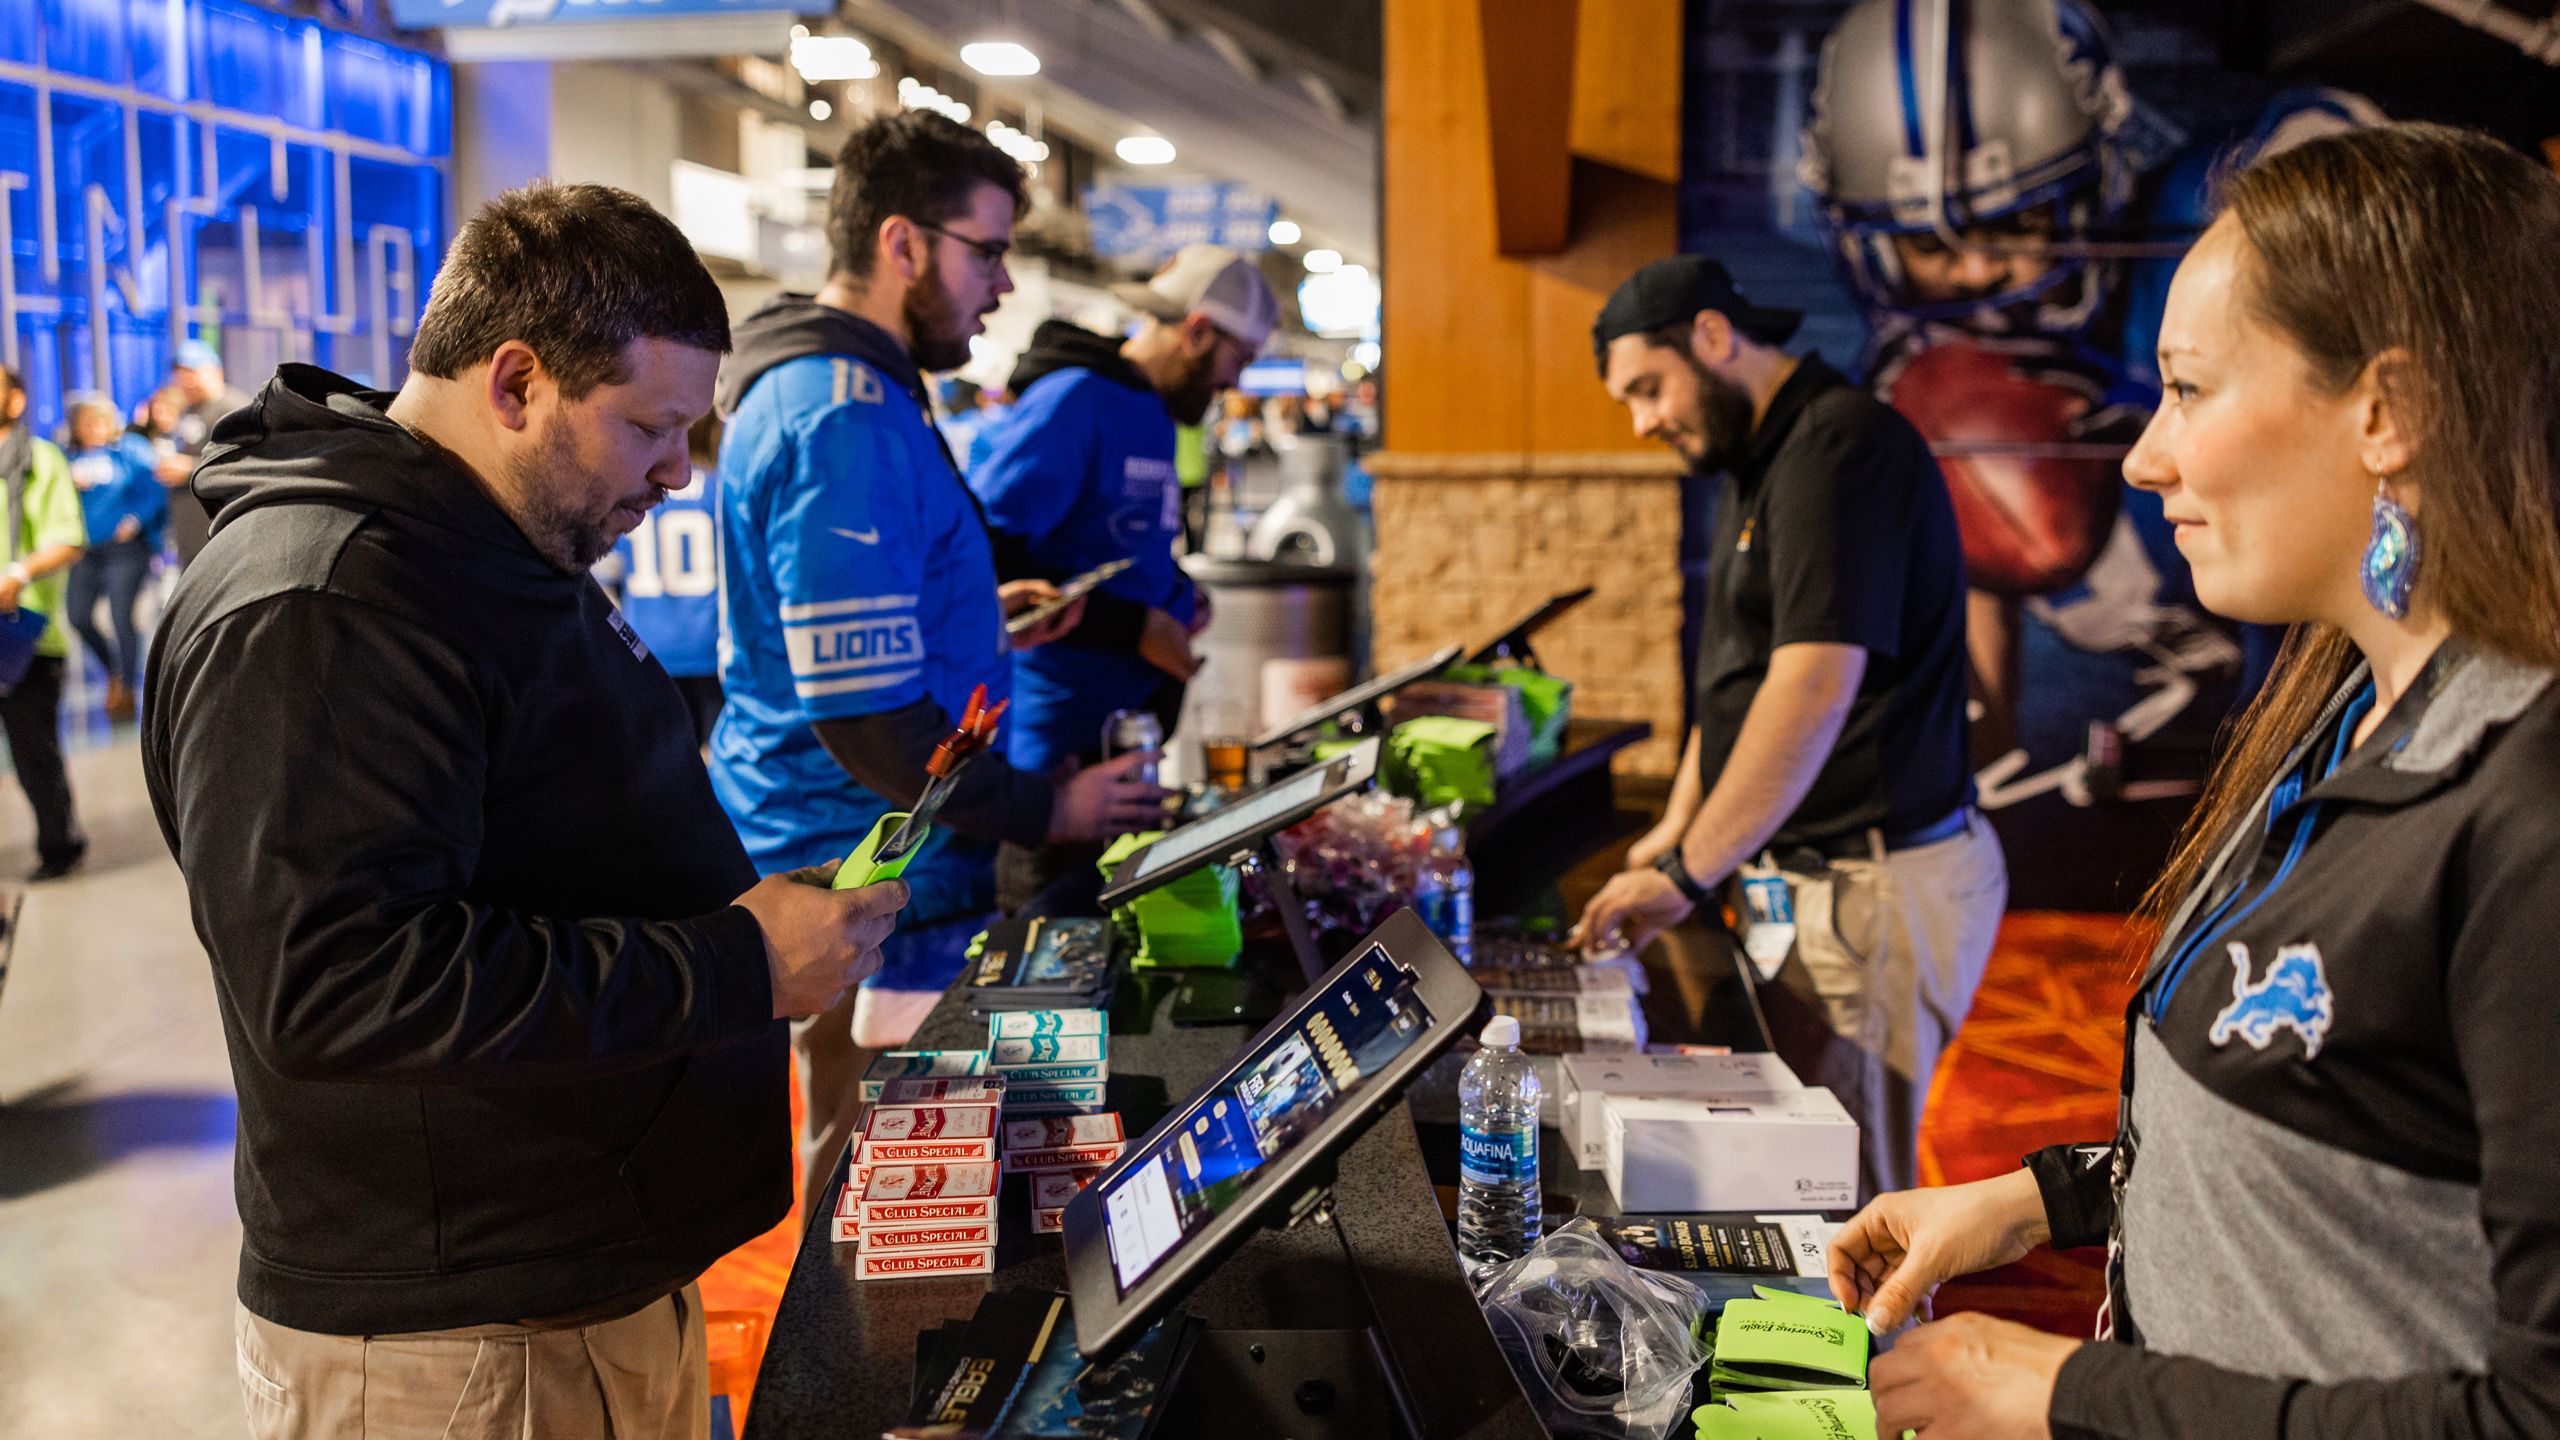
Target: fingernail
1875	1324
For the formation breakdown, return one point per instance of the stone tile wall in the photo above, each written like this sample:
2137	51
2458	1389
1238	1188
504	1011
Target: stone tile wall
1469	543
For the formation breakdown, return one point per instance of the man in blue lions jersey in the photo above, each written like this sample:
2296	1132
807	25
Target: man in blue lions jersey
670	570
860	591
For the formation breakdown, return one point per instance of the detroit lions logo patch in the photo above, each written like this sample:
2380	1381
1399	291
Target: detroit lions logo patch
2293	996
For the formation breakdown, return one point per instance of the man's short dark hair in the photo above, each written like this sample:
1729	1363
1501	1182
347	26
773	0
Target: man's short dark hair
577	272
914	163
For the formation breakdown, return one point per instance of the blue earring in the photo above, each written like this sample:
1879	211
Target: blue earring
2390	569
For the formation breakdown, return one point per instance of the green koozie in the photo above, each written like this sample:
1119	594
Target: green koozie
1546	702
1435	759
1795	1415
1190	923
863	866
1787	1341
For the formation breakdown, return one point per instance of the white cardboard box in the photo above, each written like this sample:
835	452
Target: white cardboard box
1731	1152
1584	1079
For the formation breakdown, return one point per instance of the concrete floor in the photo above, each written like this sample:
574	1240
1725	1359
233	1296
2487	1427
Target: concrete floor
118	1236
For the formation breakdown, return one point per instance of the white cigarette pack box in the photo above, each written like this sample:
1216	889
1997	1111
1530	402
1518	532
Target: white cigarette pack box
1028	1024
920	1065
1731	1152
1584	1080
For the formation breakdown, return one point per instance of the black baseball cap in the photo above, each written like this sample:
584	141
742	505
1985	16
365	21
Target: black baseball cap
1672	292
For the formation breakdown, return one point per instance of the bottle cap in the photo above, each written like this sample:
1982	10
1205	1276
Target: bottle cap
1502	1032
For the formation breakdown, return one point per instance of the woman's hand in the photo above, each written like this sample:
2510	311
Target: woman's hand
1892	1256
1969	1377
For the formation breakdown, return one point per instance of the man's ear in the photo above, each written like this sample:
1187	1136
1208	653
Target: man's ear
1711	339
1199	334
515	381
900	246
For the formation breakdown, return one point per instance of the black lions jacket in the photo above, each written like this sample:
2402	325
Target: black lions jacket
505	1051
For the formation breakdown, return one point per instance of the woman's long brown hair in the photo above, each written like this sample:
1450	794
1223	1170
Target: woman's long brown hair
2444	245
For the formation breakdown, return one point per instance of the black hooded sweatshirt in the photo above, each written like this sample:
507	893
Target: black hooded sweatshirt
505	1050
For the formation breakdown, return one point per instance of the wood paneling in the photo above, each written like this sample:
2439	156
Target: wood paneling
1626	86
1488	353
1528	48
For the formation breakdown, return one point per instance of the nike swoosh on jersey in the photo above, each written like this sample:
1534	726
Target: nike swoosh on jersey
862	537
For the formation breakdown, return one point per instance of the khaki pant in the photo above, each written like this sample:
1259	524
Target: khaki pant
1888	954
643	1377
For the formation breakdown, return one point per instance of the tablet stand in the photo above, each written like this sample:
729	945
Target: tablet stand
1262	865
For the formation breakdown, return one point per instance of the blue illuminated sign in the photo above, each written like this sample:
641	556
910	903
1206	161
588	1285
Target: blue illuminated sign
210	169
1150	221
497	14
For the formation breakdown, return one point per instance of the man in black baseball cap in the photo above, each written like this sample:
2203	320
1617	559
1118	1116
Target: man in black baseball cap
1827	766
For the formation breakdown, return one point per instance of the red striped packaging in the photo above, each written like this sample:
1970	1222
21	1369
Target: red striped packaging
1051	1132
1064	1157
901	1265
924	1134
929	1194
943	1090
1052	1189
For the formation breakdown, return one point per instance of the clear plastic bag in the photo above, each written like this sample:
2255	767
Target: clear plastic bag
1604	1350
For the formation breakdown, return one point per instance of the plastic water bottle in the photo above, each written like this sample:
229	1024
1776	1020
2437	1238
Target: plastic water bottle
1498	1149
1446	896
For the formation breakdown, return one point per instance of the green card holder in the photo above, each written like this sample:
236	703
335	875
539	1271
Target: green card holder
864	867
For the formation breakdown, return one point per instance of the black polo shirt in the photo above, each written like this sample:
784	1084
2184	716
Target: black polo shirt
1836	527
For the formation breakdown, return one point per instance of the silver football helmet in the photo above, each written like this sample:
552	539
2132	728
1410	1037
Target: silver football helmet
2011	126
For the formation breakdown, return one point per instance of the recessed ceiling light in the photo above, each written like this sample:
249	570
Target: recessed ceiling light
1284	232
1144	150
999	57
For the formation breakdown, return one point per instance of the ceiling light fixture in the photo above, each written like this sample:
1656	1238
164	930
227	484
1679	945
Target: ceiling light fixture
1144	150
1284	232
999	57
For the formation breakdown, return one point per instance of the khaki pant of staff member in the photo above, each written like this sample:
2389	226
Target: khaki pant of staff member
1889	950
642	1377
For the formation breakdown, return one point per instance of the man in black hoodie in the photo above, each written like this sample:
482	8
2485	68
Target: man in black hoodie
504	996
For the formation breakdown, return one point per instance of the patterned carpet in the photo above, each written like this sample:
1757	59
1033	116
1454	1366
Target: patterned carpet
2034	1066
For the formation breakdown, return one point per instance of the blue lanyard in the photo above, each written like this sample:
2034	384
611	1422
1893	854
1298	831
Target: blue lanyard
2224	919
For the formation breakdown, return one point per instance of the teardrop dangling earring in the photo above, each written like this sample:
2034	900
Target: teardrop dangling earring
2390	568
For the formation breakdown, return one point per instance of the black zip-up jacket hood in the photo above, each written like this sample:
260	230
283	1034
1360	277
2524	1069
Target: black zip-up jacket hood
504	1048
1064	345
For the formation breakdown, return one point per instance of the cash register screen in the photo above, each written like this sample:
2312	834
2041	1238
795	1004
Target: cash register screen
1211	836
1272	1098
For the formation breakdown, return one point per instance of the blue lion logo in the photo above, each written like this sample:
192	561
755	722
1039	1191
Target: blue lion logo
2294	996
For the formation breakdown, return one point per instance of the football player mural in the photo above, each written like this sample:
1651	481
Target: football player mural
2008	218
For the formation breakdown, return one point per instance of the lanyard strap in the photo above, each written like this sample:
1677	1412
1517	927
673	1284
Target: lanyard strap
2224	917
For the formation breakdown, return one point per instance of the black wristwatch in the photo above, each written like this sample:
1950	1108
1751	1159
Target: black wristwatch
1677	871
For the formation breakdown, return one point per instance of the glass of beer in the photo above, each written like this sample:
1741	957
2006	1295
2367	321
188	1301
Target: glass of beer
1226	759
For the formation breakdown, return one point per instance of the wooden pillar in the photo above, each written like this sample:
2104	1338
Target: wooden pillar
1508	474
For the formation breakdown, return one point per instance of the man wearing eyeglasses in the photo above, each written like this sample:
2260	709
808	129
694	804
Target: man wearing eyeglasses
859	595
1081	473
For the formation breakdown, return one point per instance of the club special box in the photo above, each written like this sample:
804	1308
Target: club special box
928	1194
909	1134
899	1265
1051	1132
920	1065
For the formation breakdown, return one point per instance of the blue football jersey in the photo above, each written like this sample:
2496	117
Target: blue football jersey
671	578
857	580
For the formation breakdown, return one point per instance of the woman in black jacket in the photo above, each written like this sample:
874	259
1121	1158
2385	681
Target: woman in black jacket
2332	1203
